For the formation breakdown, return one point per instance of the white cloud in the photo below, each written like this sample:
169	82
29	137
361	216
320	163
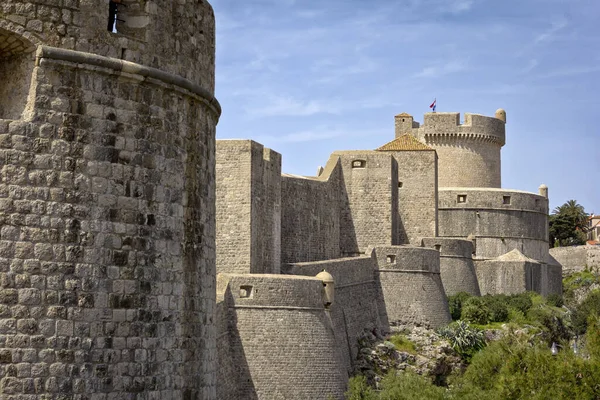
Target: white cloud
550	33
441	69
318	134
277	106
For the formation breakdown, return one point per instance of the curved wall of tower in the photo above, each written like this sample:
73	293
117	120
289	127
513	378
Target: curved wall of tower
469	153
500	220
410	282
107	258
456	265
276	340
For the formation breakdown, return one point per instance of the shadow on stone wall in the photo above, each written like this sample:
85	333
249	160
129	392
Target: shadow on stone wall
234	380
348	241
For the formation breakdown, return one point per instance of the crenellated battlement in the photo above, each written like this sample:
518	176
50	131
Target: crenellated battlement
444	127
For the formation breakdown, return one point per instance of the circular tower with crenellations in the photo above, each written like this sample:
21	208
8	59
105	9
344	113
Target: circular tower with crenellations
468	153
107	193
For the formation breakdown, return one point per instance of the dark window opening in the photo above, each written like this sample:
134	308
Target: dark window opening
400	184
461	198
245	292
113	13
505	199
391	259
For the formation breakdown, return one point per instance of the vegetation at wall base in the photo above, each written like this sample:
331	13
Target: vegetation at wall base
518	363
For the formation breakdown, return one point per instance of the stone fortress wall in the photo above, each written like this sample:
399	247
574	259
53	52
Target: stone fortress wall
394	242
276	339
107	260
457	269
500	219
577	258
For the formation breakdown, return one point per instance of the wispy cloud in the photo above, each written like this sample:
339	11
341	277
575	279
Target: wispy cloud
441	69
550	33
569	72
319	134
287	106
531	65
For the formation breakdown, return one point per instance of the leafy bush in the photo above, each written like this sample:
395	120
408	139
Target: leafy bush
513	368
475	311
358	389
555	300
465	340
521	302
455	303
588	307
497	305
409	386
593	337
552	322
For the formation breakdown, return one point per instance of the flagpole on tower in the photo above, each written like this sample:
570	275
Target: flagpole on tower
433	105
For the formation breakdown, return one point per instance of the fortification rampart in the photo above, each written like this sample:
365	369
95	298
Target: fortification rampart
276	340
411	285
577	258
108	258
510	274
358	304
501	220
457	270
310	220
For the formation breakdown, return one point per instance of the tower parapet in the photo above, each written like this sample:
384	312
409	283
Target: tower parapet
469	153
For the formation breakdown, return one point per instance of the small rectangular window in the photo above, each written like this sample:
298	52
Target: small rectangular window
461	198
391	259
245	292
358	163
505	199
400	184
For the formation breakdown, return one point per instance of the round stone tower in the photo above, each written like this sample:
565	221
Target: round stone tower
107	258
468	153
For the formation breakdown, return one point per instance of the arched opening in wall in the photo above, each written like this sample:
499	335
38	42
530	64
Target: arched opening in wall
17	59
129	17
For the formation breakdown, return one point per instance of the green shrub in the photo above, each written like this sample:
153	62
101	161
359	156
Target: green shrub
358	389
552	322
465	340
475	311
588	307
555	300
455	303
497	305
521	302
512	368
593	337
409	386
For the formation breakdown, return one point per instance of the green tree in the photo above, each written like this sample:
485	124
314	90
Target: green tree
568	224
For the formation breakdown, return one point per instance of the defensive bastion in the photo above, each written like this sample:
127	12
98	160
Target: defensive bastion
391	239
107	198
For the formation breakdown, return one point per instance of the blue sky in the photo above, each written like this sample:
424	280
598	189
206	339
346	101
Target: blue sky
309	77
